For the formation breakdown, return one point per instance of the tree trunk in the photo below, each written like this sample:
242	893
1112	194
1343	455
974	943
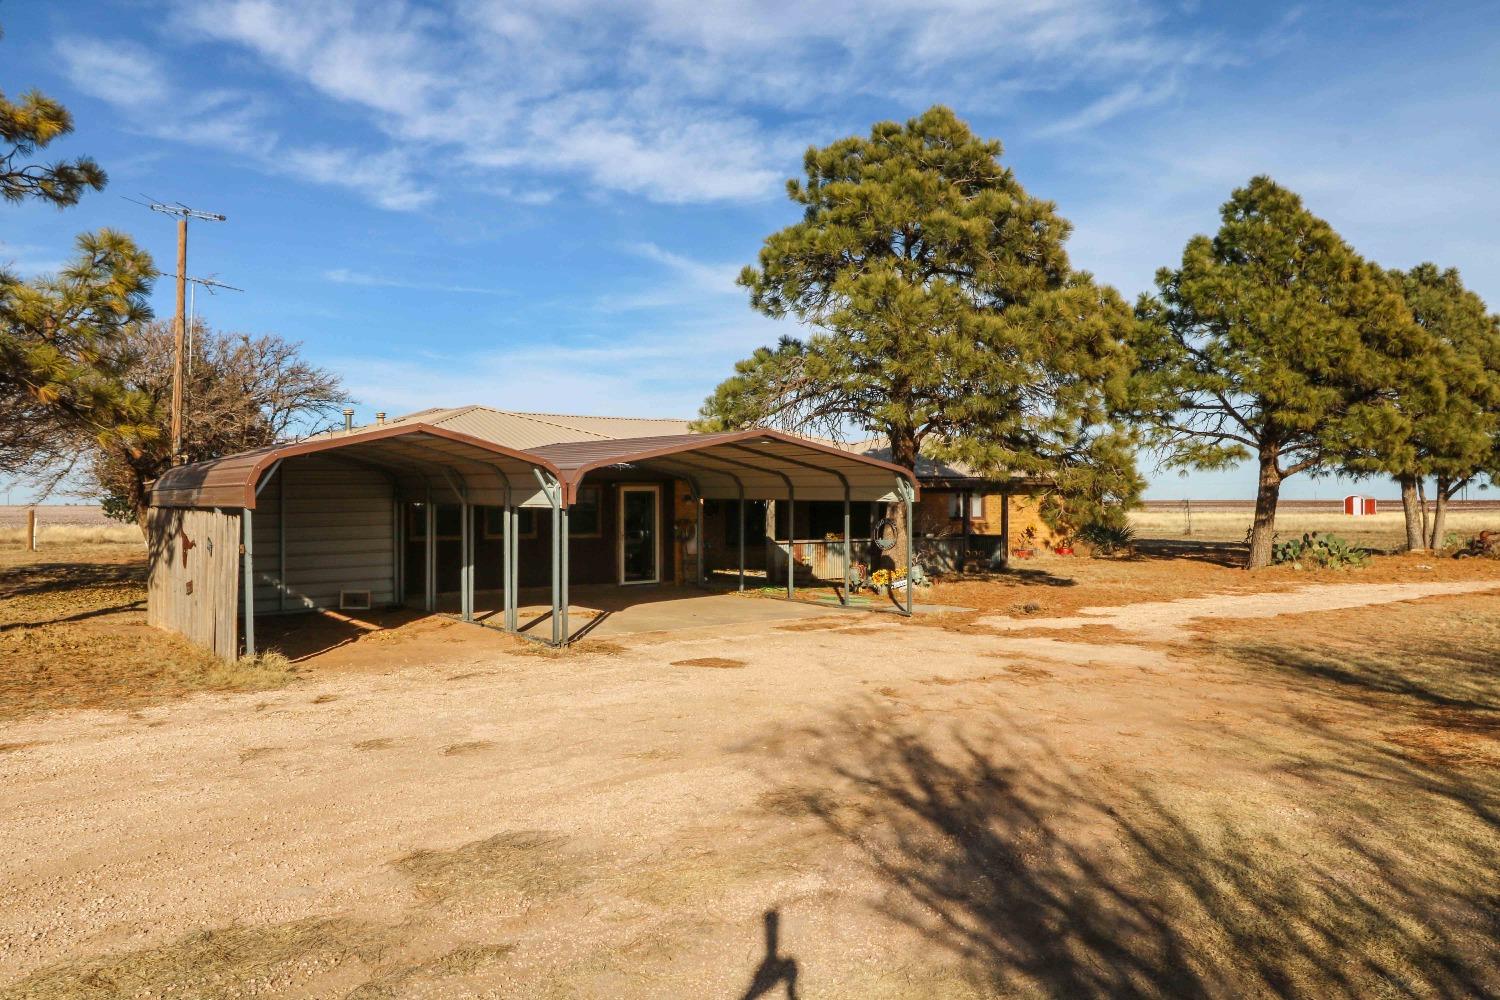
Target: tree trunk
1439	514
1414	540
904	454
1422	503
1264	529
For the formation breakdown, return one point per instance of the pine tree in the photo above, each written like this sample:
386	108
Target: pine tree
1455	423
948	317
1274	340
31	124
56	333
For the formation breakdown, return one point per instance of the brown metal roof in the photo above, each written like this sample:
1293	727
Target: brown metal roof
756	464
405	448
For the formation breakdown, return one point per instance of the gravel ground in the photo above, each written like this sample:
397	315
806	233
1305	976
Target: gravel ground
681	816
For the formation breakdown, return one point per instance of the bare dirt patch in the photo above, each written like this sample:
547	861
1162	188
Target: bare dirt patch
711	663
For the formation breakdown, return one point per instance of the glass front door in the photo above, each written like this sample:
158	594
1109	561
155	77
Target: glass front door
638	530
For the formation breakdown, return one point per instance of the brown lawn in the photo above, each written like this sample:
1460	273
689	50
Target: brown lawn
1147	777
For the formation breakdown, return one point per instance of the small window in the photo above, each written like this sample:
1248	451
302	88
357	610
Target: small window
956	505
583	519
416	522
494	522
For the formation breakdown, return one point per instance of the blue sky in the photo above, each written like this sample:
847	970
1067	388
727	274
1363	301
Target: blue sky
542	205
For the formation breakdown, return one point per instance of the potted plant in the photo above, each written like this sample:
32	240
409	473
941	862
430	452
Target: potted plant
1027	548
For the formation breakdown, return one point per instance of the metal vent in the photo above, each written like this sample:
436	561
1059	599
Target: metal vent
354	600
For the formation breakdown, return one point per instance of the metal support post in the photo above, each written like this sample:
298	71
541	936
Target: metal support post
564	545
848	561
906	496
742	537
791	537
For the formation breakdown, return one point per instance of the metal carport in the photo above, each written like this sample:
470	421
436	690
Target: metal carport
757	464
417	463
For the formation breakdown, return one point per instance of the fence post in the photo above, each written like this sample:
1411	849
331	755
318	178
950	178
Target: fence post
31	529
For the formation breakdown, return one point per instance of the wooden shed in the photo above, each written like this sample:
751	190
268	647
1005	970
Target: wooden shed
396	514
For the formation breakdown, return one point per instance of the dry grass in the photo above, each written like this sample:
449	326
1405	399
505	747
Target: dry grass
533	863
1056	586
228	963
54	536
1435	668
73	635
1385	531
469	746
711	663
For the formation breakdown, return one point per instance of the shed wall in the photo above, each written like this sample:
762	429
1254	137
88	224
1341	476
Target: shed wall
193	583
339	535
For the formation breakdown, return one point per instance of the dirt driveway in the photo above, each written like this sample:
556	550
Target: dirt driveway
864	808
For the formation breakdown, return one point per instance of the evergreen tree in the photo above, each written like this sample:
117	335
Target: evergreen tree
948	319
31	124
1274	340
56	335
1455	409
55	389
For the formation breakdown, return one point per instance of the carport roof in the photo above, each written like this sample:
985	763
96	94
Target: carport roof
406	448
756	464
753	464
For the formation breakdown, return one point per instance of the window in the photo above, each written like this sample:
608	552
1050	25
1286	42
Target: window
416	522
956	505
494	522
450	522
583	519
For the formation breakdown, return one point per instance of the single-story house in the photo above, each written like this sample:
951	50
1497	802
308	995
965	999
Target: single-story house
453	503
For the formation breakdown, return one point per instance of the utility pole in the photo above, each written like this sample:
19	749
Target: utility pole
179	328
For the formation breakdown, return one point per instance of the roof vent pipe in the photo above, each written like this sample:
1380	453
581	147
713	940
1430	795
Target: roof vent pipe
380	419
348	418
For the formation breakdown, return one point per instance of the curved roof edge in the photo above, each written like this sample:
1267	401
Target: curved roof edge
232	480
577	459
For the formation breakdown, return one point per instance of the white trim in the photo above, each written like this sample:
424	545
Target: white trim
655	490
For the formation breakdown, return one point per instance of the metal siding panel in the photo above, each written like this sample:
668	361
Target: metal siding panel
338	535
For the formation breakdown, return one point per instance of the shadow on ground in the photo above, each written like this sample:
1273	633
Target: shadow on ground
1040	878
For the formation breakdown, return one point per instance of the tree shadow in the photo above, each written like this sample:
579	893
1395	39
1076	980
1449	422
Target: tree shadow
76	617
1043	879
1459	677
60	577
1228	554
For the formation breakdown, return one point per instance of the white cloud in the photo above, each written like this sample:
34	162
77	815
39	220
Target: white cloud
677	101
344	276
120	73
233	122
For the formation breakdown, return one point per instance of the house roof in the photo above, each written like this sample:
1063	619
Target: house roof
517	429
